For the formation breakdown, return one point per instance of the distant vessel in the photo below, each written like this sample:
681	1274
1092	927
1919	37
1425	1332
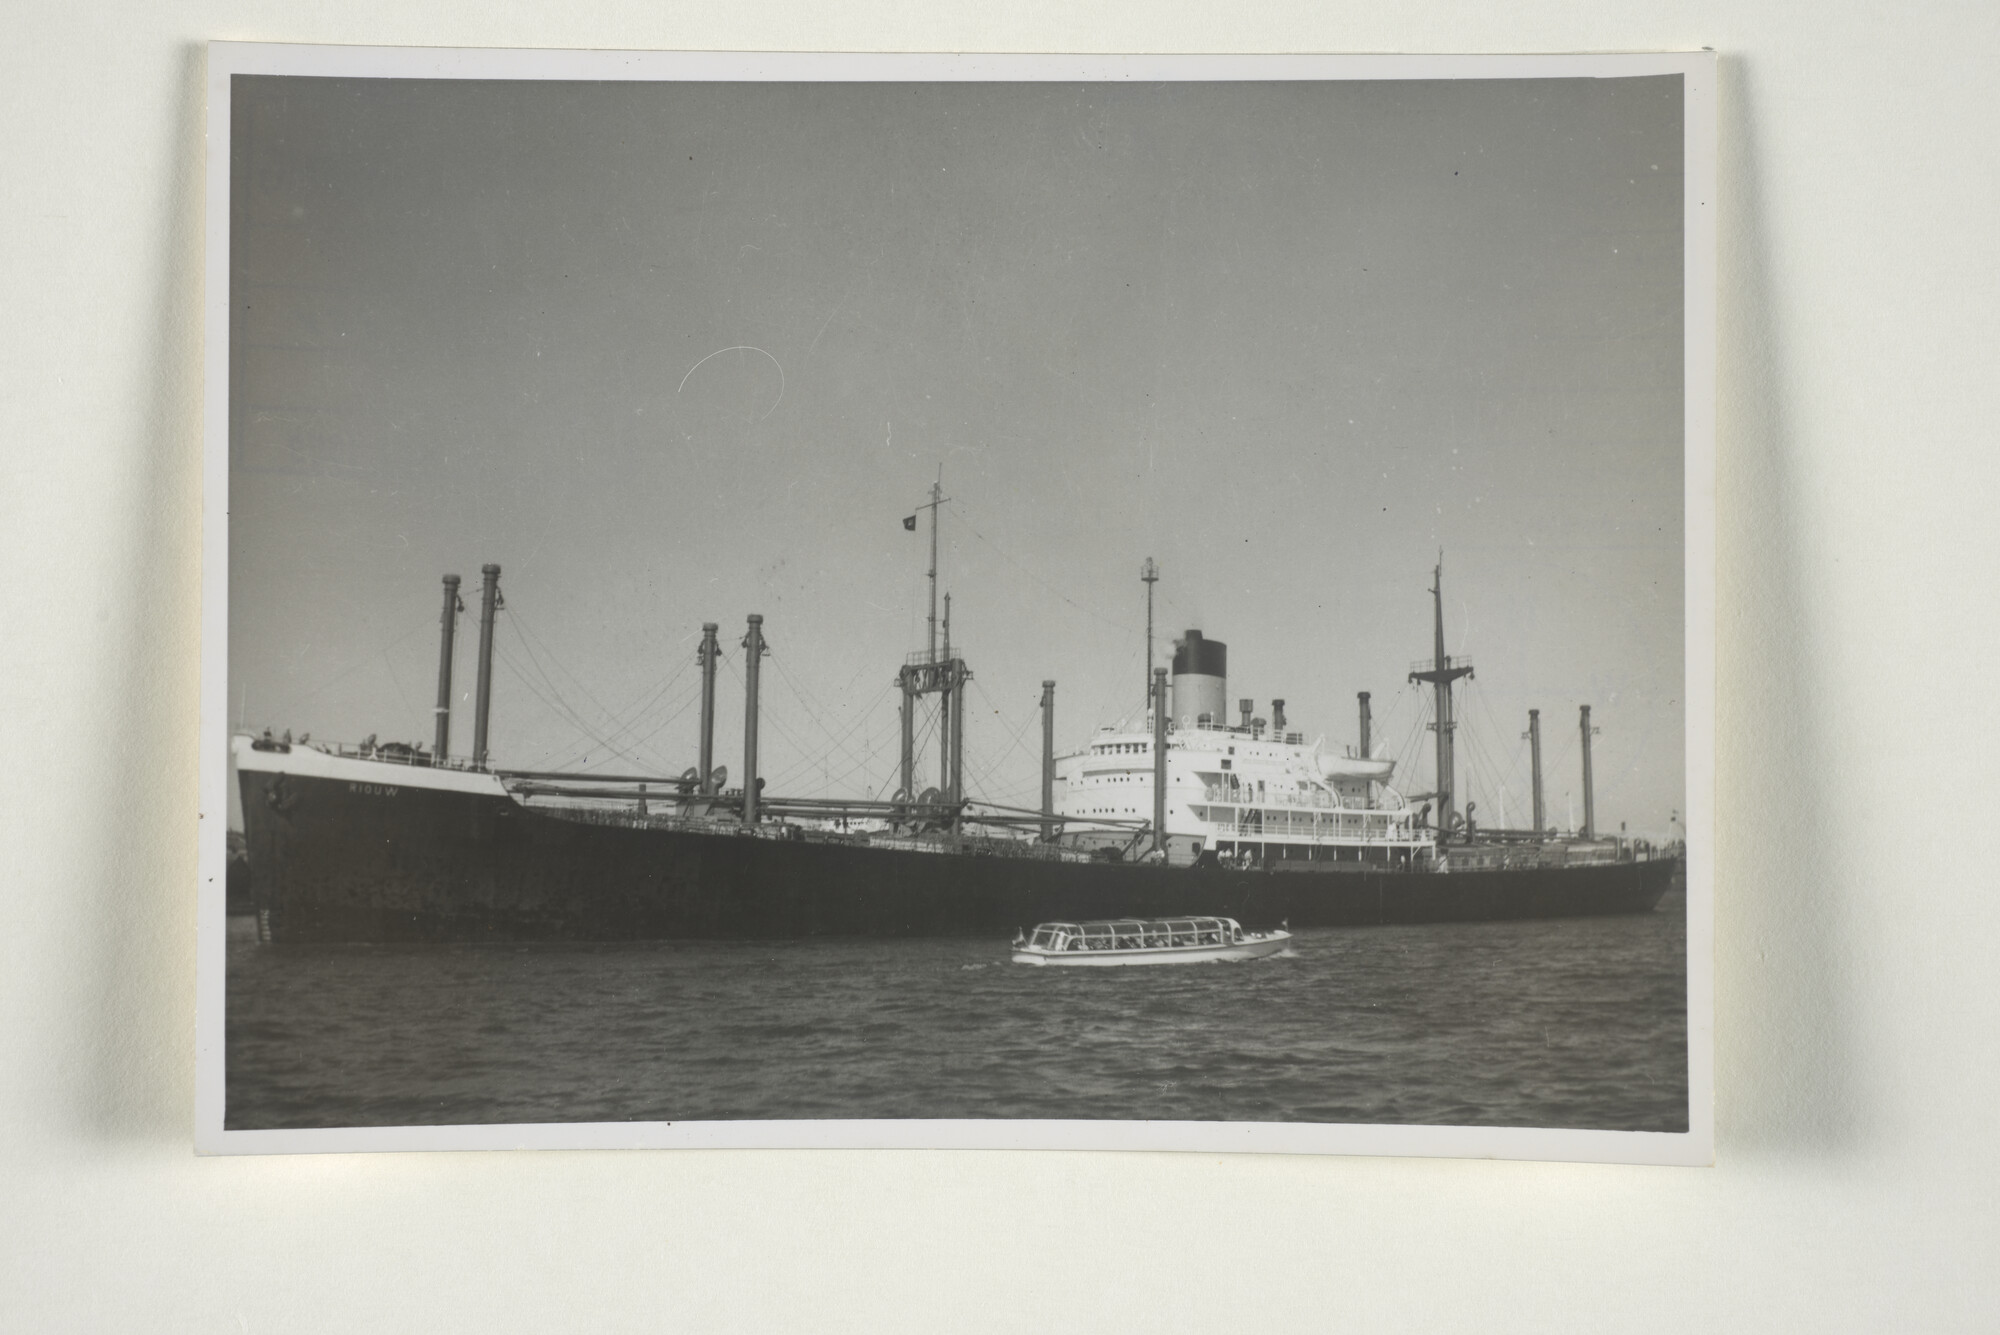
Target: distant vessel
1158	941
394	843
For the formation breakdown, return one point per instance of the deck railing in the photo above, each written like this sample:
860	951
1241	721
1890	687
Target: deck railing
626	817
386	753
1450	661
1297	815
1246	795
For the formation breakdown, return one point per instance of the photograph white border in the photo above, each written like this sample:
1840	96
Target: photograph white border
1694	1146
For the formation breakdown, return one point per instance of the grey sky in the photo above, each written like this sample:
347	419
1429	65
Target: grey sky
1288	339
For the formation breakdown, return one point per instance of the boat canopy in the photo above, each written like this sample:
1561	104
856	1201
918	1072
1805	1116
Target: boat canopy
1136	933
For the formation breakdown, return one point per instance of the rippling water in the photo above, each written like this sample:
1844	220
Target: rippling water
1572	1023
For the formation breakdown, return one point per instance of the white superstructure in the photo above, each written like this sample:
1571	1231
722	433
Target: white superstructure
1243	792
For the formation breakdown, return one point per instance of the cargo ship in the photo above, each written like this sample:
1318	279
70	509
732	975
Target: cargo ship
1188	813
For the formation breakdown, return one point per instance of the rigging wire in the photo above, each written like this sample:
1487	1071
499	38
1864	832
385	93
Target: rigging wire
815	711
1478	765
1384	722
356	666
397	682
1511	776
1412	742
551	696
803	756
559	708
1517	752
1184	616
630	718
529	635
804	763
867	764
1089	612
920	737
537	651
770	717
1568	759
1493	779
679	706
562	705
687	703
889	754
986	772
1114	690
806	697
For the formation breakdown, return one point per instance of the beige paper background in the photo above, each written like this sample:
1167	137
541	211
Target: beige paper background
1856	918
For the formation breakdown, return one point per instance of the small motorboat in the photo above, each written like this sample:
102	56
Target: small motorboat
1114	941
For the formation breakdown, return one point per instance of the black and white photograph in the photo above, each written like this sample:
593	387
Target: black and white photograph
873	667
1018	602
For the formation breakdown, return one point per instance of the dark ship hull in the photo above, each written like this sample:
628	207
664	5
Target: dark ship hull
369	852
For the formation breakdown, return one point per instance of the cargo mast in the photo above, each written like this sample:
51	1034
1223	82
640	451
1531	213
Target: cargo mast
753	657
452	607
1048	761
1441	674
936	500
490	603
707	655
1589	794
1534	736
1150	573
932	673
1160	760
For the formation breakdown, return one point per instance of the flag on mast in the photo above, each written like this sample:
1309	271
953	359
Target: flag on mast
910	523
